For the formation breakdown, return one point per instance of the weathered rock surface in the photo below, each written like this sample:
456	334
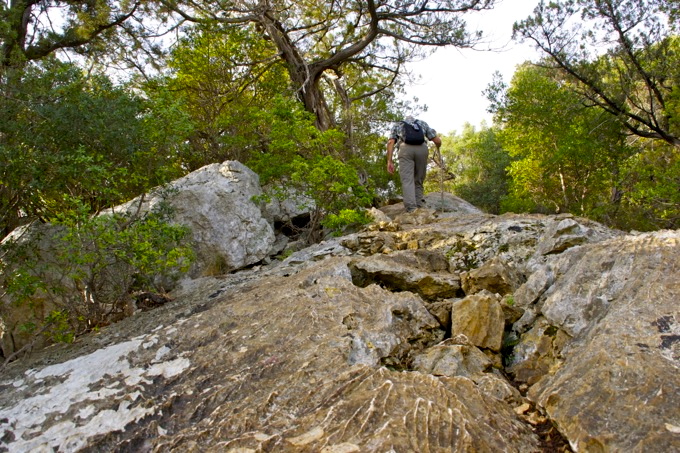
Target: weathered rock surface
281	364
442	202
360	344
292	205
494	276
615	385
422	272
480	318
450	359
216	202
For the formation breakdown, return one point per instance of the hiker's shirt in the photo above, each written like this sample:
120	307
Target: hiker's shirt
398	131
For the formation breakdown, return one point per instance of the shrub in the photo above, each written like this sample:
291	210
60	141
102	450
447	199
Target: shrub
83	272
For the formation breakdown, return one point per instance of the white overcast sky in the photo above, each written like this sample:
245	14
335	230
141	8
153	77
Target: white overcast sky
452	80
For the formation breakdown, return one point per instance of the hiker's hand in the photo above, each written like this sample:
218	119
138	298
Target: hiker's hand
390	167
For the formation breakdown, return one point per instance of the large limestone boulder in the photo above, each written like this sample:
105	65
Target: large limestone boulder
227	226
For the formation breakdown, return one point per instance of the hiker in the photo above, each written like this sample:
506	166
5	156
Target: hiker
410	136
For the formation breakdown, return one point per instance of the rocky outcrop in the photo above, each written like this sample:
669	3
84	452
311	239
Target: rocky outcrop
217	203
299	363
437	331
228	232
613	364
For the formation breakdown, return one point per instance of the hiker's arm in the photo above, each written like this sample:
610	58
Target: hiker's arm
437	141
390	151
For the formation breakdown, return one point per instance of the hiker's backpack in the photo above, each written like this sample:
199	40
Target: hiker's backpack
413	133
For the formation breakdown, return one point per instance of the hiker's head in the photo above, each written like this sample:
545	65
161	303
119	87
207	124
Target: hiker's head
409	119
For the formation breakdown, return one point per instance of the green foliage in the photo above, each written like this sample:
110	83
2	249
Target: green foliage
237	99
21	283
565	154
239	102
59	329
226	83
596	130
54	25
287	133
345	218
67	133
650	198
92	266
621	56
569	156
166	126
479	163
335	189
305	164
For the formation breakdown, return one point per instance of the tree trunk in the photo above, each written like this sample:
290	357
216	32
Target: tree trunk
16	18
305	76
309	92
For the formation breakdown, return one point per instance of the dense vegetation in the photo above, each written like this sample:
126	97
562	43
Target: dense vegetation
593	128
282	86
103	100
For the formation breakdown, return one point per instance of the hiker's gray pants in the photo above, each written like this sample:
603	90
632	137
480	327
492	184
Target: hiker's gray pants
412	171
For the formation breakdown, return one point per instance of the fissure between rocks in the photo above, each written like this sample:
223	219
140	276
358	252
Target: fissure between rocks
550	437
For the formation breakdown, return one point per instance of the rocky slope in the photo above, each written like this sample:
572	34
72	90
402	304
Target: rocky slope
438	331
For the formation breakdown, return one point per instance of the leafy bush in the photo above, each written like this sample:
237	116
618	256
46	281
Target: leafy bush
63	131
650	198
82	273
336	190
306	164
479	164
346	217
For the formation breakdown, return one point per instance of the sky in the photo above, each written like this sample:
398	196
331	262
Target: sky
452	80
